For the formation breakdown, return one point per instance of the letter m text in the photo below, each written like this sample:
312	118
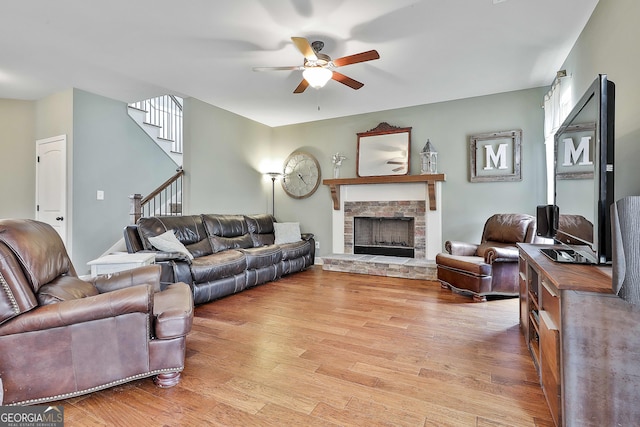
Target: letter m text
492	158
572	153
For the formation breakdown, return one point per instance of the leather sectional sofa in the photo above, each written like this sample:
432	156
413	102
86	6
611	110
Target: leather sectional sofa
224	254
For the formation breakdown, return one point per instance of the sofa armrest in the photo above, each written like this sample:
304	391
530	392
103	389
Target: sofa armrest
307	236
500	254
460	248
148	274
137	299
132	239
166	256
173	311
170	256
182	272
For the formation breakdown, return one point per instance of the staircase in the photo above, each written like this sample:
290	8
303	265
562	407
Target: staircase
161	119
164	200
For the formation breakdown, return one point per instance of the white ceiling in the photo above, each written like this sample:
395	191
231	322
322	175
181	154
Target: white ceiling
431	50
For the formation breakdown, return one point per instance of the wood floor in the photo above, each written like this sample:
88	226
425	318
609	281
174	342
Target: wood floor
322	348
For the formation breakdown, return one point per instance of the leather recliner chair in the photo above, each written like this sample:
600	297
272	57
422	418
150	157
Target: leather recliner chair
61	336
490	267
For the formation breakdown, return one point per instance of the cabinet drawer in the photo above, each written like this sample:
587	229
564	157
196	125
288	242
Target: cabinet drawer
550	302
550	364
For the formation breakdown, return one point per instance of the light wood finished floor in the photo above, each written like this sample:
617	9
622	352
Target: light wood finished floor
322	348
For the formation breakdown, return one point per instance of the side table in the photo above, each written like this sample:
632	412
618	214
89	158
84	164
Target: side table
113	263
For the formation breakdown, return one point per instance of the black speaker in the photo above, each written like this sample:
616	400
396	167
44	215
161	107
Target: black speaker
547	217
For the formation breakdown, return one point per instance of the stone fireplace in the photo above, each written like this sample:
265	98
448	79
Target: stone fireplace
394	228
401	199
392	236
408	198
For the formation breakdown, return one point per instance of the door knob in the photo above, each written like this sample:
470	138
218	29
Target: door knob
59	218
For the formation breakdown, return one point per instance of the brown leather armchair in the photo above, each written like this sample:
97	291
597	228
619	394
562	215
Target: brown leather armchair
490	267
61	336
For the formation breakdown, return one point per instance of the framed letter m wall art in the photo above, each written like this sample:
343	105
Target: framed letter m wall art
495	156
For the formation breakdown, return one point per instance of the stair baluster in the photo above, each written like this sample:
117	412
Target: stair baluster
164	200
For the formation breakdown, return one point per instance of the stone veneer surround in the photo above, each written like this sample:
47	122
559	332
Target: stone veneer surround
389	193
387	209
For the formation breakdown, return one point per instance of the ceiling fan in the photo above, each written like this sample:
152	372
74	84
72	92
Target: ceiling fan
317	68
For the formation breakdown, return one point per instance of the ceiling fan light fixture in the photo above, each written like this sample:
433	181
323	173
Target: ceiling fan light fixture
317	77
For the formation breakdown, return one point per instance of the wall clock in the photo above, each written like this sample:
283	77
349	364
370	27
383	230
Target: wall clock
301	175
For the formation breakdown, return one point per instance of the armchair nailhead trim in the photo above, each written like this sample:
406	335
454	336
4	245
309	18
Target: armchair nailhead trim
7	290
97	388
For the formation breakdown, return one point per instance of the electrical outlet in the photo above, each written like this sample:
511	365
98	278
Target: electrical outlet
317	245
99	195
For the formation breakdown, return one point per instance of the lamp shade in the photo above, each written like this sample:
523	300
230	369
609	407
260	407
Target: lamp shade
317	77
273	175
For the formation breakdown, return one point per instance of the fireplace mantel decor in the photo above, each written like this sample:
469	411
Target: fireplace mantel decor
429	179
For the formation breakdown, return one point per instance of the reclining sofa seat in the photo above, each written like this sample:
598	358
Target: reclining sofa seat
61	336
230	252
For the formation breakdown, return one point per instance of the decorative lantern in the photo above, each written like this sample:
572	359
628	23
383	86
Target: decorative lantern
429	157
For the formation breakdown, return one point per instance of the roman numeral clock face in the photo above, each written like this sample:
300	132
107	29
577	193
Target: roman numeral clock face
301	175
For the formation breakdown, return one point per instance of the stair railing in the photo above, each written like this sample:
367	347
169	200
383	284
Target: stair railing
164	200
165	112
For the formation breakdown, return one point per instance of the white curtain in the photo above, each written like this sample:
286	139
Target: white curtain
557	104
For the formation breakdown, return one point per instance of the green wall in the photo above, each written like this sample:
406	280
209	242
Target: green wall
17	159
465	205
104	151
222	160
609	45
113	154
224	152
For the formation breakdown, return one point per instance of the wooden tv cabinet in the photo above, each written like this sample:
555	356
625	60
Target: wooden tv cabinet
584	341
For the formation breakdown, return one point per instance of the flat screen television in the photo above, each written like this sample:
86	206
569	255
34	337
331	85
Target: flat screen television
584	156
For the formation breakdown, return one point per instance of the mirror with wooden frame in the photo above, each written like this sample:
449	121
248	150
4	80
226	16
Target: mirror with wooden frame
384	150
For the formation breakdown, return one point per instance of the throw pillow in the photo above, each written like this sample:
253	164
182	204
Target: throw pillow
286	232
168	242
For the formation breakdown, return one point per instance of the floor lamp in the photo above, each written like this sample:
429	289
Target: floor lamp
274	176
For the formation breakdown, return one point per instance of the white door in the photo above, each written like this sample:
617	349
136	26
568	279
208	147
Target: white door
51	183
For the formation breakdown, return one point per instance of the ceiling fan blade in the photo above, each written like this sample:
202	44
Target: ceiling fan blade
358	57
302	86
292	67
354	84
305	48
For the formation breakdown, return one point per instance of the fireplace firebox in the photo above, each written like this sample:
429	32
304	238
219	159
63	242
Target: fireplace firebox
392	236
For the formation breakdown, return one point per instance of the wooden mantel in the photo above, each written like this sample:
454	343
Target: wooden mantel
429	179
